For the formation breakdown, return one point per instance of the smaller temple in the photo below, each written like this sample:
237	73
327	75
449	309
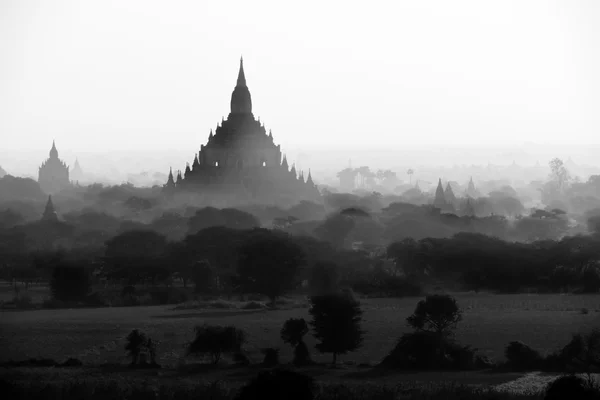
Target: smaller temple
443	199
471	191
449	195
53	173
77	172
49	212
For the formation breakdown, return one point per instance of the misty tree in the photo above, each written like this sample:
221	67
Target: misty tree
268	264
559	173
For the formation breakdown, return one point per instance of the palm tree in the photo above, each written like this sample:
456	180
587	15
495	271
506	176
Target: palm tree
410	173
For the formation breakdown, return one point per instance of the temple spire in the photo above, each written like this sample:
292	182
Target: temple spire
241	101
53	151
284	163
49	213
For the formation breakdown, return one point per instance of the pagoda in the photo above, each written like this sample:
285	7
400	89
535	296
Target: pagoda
53	175
241	158
49	212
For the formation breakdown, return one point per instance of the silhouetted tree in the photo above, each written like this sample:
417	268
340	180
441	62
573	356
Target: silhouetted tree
136	341
336	320
437	313
268	264
293	332
324	278
216	340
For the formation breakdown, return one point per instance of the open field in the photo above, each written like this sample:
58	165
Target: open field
96	336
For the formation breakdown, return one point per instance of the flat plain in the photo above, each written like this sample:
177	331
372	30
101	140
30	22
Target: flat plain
96	336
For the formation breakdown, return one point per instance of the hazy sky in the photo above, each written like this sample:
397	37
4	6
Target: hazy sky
151	75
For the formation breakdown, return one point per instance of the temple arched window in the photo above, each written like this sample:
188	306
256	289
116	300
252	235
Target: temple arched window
216	163
264	163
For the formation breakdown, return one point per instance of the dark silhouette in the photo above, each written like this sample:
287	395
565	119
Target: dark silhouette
336	320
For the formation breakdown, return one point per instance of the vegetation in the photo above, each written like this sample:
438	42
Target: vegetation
216	340
336	320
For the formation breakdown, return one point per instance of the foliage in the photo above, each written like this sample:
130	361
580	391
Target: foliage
437	313
216	340
336	321
203	276
136	341
293	332
268	264
271	358
324	278
424	350
69	282
522	357
570	387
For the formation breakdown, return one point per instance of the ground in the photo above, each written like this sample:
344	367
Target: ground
490	322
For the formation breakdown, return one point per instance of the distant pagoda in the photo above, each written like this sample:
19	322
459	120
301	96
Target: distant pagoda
49	212
241	158
53	174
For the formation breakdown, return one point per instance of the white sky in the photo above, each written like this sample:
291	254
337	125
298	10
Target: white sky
149	75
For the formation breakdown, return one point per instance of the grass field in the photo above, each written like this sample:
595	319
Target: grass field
96	336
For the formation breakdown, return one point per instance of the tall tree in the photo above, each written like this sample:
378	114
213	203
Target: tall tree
336	320
268	263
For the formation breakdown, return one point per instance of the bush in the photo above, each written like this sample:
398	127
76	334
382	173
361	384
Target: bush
427	351
570	387
136	341
70	282
293	332
216	340
95	300
271	357
522	357
278	384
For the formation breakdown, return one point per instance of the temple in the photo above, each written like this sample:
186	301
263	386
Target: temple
49	212
242	159
53	173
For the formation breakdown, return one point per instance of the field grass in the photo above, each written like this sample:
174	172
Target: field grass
96	336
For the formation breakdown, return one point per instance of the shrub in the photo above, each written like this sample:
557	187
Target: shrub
216	340
522	357
136	341
293	332
336	322
278	384
95	300
582	352
69	282
253	305
271	357
570	387
428	350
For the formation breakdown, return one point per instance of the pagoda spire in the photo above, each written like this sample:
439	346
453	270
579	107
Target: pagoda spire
309	179
241	80
293	170
241	101
284	163
53	151
49	213
440	199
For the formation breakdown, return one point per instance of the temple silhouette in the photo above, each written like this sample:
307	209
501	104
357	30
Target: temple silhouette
53	175
242	159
